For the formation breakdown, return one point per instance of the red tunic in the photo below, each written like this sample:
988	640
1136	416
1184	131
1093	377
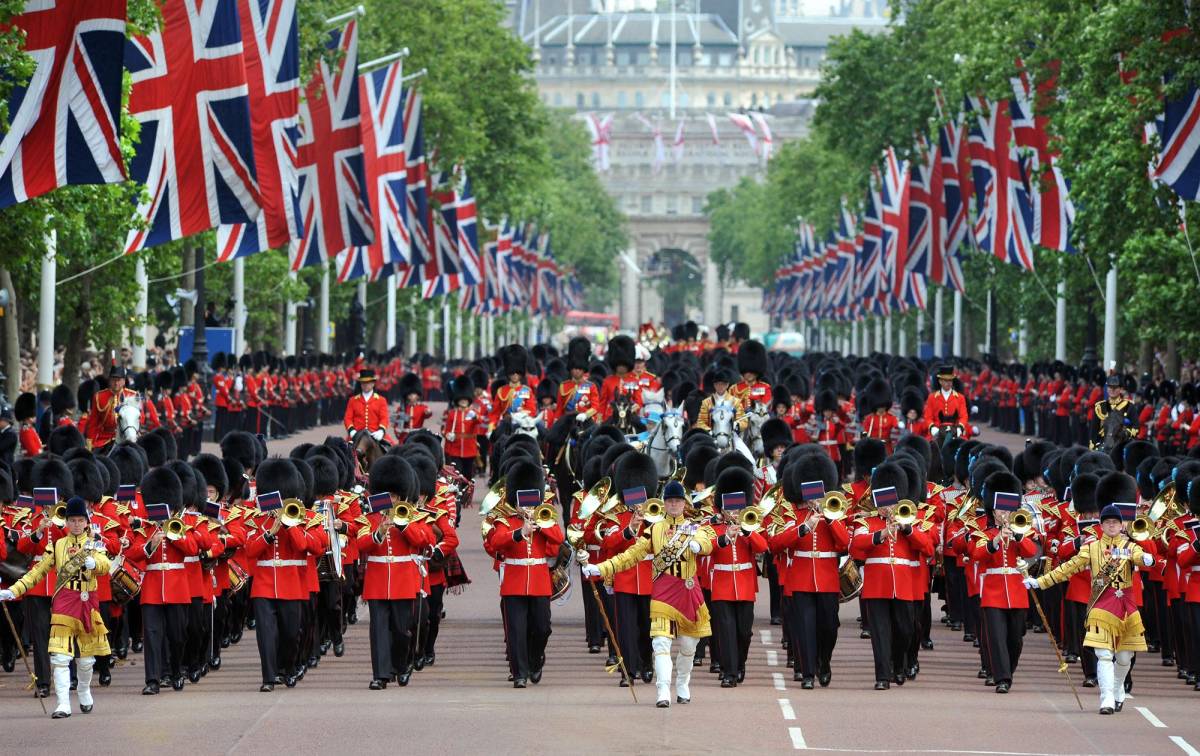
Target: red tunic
734	577
1002	586
889	565
524	570
814	556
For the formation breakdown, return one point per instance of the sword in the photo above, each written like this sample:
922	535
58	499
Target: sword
25	658
1063	667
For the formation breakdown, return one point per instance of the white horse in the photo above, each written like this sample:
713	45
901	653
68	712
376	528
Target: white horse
654	406
523	422
756	415
129	417
663	441
721	420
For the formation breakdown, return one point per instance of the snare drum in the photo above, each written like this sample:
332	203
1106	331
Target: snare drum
238	577
126	583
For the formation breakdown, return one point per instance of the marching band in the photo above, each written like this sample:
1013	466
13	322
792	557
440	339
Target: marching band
836	479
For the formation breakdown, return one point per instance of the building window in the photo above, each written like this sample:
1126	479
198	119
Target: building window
697	205
646	200
728	99
621	99
704	59
683	99
672	204
639	99
711	99
666	98
558	99
595	99
580	101
725	59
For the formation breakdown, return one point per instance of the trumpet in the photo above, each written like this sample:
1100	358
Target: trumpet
905	513
654	511
175	528
544	516
835	506
402	514
293	513
750	519
58	515
1141	529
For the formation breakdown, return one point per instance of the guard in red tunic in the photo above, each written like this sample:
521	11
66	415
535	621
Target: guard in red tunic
752	365
525	585
578	395
366	411
1004	599
414	412
878	421
461	427
646	380
813	545
946	407
393	582
827	428
622	382
25	413
102	412
515	395
890	551
734	573
912	407
635	479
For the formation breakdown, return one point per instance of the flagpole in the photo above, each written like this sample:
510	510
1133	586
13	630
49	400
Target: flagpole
429	329
289	333
391	313
323	311
853	337
445	328
1110	317
45	363
673	9
939	333
958	329
1060	321
458	326
887	334
141	312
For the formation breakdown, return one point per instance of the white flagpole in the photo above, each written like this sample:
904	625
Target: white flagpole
142	310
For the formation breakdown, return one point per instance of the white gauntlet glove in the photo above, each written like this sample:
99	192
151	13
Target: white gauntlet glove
377	434
6	595
89	563
694	546
590	570
1030	583
581	417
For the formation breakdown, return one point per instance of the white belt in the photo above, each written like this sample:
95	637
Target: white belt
828	442
1195	569
282	563
894	560
1002	571
593	548
732	567
161	566
190	559
525	562
392	559
815	554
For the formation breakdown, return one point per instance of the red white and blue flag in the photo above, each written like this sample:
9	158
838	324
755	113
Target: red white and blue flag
894	206
64	124
1005	213
872	285
1049	190
196	152
1178	128
333	188
386	165
272	56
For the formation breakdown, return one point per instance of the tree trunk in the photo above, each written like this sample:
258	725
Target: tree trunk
1145	357
77	336
1172	366
12	338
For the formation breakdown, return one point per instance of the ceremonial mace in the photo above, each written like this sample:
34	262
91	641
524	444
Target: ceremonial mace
1063	667
612	638
25	657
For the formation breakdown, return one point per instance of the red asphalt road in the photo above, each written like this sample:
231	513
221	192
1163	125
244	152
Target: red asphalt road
463	704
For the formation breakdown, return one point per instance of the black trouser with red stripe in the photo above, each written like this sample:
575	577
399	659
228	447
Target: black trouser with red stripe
892	625
814	617
527	630
1005	637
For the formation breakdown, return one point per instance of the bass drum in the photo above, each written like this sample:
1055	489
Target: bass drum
560	575
849	580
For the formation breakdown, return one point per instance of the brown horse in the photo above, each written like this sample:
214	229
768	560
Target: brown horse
366	451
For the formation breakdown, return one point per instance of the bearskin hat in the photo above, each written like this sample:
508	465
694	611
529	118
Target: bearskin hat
306	474
722	332
775	432
162	486
807	468
239	487
692	331
325	475
734	480
579	353
914	470
697	459
513	359
87	480
609	458
61	399
170	447
164	381
999	482
431	444
780	395
462	389
64	438
220	361
83	395
194	486
732	459
423	467
130	461
1193	498
890	475
912	400
155	448
876	395
1083	493
752	358
547	388
410	383
523	475
869	453
53	473
1095	462
26	407
620	352
1135	452
242	446
211	467
634	470
920	445
112	475
1116	488
392	474
825	400
280	474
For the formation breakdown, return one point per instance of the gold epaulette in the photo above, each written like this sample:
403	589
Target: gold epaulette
848	487
925	525
122	509
111	524
982	542
362	520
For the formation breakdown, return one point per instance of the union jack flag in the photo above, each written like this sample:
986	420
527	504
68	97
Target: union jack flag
420	218
601	131
1005	214
955	195
273	75
1179	133
1053	211
196	154
386	166
871	282
894	202
64	124
335	209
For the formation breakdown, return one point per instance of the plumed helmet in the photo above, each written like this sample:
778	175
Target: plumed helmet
280	474
734	480
213	470
64	438
579	353
634	470
620	352
54	473
242	446
752	358
523	475
162	486
87	479
26	407
775	432
61	399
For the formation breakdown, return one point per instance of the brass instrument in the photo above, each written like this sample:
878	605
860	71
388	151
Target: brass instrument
771	499
175	528
1020	522
402	514
835	506
492	498
58	515
594	498
1141	529
293	513
544	516
654	511
905	513
750	519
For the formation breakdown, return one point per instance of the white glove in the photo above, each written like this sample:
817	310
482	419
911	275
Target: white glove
590	570
694	546
89	563
352	432
7	595
581	417
1147	559
1030	583
377	434
451	436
